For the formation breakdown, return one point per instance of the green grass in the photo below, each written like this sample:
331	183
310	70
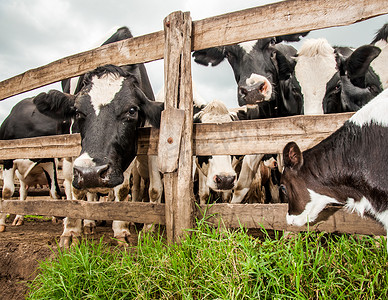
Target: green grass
210	264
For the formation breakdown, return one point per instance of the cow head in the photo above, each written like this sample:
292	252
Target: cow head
355	83
293	188
218	169
258	68
106	112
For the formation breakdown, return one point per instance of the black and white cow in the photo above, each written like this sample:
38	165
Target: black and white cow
335	79
264	74
215	172
25	121
348	167
107	111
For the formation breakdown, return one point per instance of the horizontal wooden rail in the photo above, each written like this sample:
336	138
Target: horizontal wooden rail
241	137
280	18
268	216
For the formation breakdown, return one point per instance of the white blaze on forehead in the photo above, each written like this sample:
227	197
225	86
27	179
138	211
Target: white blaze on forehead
248	46
214	112
84	161
104	90
375	111
316	65
258	79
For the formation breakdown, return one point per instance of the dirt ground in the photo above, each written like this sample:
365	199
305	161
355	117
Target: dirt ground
22	247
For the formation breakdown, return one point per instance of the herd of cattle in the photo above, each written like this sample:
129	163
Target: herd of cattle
107	106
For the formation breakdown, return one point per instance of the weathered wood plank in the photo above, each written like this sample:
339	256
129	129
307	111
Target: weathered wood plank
273	216
41	147
178	186
257	136
268	216
253	136
171	126
125	211
281	18
258	22
135	50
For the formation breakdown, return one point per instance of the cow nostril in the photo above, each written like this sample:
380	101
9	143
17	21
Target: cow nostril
102	171
217	179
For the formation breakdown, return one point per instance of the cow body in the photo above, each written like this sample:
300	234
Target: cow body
348	167
25	121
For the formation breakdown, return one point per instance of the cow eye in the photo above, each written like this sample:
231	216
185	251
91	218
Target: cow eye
131	113
283	189
79	115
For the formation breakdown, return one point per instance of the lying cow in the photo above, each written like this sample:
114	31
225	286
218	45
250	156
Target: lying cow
108	110
25	121
348	167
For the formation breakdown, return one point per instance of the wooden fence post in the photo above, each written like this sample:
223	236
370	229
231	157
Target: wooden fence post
176	132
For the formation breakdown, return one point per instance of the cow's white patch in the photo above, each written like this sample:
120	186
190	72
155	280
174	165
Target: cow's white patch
375	111
379	64
258	79
84	161
104	90
316	65
248	46
317	203
364	206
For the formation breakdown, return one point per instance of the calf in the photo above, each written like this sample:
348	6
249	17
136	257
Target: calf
215	172
107	112
348	167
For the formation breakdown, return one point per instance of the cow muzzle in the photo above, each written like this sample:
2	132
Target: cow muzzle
256	89
224	182
95	177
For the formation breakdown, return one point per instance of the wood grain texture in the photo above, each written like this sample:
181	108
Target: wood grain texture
178	97
268	216
273	216
242	137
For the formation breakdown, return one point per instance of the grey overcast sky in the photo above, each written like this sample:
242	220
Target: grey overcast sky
36	32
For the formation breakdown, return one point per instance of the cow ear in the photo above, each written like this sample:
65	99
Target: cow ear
55	104
151	109
358	63
208	56
292	156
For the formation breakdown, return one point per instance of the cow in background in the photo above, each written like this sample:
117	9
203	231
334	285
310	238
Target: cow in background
215	172
336	79
349	167
108	110
25	121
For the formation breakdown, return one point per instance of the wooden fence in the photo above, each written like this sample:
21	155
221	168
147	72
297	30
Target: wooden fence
178	139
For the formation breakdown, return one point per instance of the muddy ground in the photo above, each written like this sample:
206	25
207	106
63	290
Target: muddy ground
23	247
